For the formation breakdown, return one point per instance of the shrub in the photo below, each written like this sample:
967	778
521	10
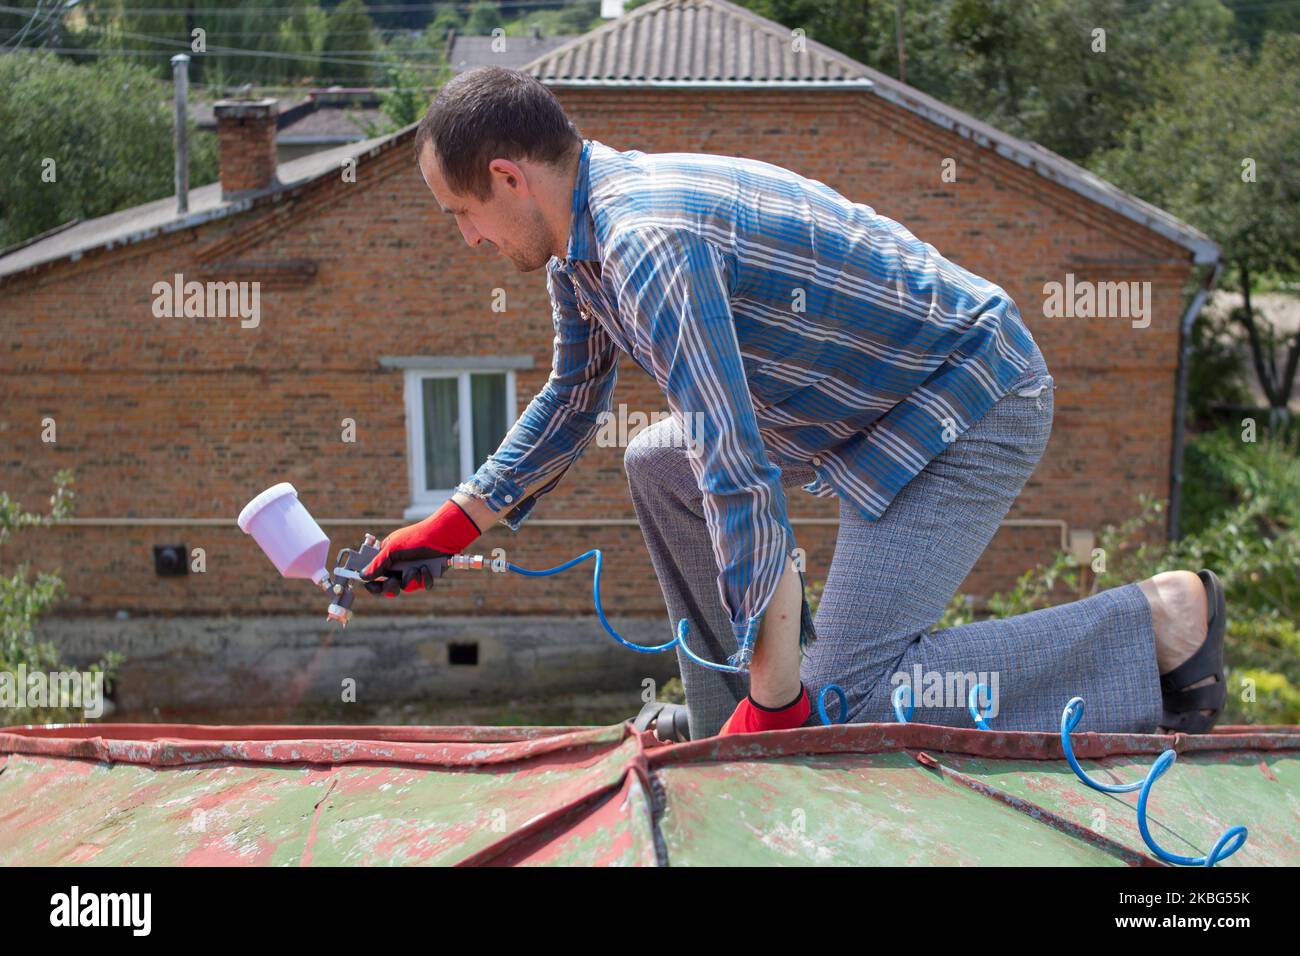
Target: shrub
23	600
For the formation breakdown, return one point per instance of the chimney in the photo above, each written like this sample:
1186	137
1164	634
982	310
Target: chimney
246	144
181	79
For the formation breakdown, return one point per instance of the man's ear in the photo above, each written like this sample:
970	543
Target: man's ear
511	175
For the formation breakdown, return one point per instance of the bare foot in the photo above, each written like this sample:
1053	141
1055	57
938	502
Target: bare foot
1180	612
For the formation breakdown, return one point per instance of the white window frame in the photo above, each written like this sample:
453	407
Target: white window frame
423	501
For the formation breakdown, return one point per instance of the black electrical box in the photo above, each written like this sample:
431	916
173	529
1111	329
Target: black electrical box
170	560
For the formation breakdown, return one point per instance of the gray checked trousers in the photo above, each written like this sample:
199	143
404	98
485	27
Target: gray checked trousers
890	581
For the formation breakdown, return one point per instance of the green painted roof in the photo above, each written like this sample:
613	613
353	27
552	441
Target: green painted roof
911	794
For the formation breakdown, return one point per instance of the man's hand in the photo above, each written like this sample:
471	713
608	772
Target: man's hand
447	531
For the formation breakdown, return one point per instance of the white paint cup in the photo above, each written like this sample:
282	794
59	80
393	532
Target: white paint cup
289	536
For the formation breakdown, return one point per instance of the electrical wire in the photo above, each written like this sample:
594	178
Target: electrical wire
300	10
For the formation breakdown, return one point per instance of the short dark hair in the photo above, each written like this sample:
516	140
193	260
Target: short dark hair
491	112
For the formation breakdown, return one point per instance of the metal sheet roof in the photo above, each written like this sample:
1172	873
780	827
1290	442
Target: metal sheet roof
679	41
714	43
902	794
512	52
159	217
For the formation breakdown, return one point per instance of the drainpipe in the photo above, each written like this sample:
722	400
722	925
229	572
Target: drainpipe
181	80
1180	398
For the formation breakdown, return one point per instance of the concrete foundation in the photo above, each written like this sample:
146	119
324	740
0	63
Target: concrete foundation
242	667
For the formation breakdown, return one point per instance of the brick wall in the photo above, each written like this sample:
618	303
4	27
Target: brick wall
188	418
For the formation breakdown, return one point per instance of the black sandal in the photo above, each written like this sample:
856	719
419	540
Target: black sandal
1184	703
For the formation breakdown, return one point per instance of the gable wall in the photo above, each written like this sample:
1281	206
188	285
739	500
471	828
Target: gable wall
188	418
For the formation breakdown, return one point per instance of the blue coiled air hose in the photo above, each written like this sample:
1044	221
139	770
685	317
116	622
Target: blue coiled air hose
679	641
1227	844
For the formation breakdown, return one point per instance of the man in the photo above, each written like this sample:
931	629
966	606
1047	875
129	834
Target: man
799	338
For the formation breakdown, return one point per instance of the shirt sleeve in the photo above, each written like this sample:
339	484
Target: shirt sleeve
674	290
559	423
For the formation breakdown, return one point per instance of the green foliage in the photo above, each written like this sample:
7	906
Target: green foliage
1223	471
1254	20
1216	376
1263	677
571	19
413	69
151	31
23	600
1221	150
1187	153
445	17
1253	547
1040	71
105	126
1029	68
672	691
302	34
484	17
349	38
404	99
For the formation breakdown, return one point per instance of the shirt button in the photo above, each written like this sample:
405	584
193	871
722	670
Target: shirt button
817	459
509	498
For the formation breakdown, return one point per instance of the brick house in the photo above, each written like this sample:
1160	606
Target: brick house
387	359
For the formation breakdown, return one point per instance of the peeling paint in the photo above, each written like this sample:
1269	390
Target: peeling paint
915	794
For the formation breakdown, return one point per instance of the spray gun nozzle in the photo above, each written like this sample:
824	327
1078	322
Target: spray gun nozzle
347	569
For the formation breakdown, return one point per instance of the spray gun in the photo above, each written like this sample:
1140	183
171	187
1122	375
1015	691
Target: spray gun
295	543
298	547
349	565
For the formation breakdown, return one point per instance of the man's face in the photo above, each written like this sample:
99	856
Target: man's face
509	220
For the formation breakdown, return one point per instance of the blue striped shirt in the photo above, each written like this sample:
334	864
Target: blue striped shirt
784	323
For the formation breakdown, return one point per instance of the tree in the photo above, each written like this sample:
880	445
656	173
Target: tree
414	67
484	17
155	30
349	37
571	19
445	17
1222	151
84	141
1034	68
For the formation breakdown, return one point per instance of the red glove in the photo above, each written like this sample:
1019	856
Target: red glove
750	718
447	531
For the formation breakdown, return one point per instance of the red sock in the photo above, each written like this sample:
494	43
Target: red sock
750	718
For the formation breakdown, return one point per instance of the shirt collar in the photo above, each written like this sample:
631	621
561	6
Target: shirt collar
582	229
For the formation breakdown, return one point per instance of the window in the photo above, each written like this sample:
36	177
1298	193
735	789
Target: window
454	421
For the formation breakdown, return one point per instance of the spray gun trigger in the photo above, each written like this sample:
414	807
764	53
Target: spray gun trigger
347	569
